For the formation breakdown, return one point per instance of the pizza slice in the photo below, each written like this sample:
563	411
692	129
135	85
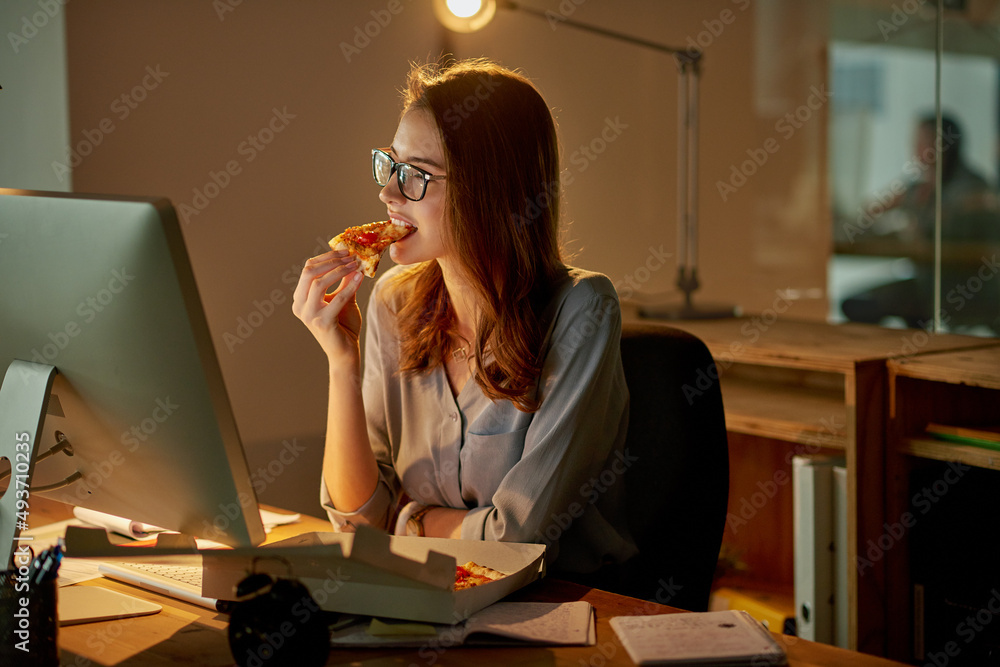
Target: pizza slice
368	242
472	574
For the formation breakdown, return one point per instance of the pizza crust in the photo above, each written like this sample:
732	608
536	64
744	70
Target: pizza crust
367	242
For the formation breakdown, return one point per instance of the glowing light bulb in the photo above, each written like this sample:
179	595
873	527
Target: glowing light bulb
464	8
464	15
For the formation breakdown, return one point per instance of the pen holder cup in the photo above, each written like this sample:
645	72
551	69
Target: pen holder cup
28	620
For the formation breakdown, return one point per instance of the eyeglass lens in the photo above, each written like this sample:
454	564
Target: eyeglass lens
411	181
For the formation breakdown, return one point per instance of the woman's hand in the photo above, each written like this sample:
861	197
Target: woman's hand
334	319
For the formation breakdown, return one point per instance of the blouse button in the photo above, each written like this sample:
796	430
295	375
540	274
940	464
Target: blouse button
454	416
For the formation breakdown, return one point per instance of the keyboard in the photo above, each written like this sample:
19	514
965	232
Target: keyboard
177	581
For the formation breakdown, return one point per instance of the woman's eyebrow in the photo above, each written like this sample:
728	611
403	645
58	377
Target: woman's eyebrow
422	160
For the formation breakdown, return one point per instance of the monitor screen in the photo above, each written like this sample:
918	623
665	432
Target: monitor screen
101	288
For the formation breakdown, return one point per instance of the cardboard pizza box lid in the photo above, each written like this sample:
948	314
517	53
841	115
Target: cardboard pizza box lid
368	573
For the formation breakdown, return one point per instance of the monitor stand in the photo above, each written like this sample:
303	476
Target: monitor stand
24	399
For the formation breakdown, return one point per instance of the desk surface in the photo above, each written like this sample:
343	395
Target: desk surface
182	633
774	339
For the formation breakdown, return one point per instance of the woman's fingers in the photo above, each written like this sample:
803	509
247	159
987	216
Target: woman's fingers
322	285
317	266
318	275
345	291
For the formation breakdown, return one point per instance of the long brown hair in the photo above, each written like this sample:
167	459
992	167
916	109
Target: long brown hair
502	212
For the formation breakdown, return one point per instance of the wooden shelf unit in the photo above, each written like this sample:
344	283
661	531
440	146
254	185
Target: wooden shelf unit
958	388
813	387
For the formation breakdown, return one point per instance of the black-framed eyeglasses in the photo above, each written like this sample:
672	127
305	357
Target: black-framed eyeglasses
412	180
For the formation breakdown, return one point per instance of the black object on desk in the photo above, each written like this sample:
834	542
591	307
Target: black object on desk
28	607
277	618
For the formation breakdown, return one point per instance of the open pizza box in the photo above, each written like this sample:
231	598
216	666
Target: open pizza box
367	573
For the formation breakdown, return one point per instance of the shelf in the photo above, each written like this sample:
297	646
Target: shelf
808	416
942	450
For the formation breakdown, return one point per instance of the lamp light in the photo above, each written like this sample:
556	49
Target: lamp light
471	15
464	15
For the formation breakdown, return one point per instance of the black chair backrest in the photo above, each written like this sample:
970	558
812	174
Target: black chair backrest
678	487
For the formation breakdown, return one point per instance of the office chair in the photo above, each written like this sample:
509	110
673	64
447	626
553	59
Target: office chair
678	489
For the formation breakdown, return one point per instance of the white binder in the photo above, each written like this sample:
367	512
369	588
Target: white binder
815	530
840	560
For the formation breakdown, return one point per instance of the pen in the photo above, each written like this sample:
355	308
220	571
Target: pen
47	565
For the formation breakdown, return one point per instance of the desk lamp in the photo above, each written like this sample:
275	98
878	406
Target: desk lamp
472	15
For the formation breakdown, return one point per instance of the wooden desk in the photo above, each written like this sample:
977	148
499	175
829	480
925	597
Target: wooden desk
184	633
954	388
796	387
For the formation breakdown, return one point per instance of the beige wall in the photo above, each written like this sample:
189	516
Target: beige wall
34	110
221	78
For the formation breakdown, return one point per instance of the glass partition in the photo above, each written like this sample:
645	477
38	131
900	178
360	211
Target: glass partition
914	167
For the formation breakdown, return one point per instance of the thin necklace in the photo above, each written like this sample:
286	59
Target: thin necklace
460	353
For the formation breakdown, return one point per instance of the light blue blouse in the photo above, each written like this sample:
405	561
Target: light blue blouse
552	476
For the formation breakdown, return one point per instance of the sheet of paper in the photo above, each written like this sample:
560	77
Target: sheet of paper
568	623
71	570
112	523
271	519
502	623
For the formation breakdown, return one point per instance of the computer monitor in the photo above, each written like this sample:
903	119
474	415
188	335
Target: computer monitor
101	289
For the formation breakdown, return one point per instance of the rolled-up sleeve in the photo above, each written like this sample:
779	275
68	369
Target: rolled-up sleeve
571	439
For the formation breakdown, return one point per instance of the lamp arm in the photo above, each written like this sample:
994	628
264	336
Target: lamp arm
689	66
689	53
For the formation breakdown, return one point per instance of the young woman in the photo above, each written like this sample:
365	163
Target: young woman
493	404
